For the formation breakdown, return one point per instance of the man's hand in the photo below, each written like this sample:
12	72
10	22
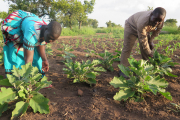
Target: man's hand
45	66
151	45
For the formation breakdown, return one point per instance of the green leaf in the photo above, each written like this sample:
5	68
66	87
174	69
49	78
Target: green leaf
158	81
5	82
91	81
96	62
147	78
153	88
167	95
59	49
7	95
111	69
42	84
139	99
34	71
1	77
138	72
37	77
170	74
124	94
21	108
11	79
119	82
59	55
3	108
91	75
26	69
100	69
16	72
22	94
96	73
123	69
76	80
39	103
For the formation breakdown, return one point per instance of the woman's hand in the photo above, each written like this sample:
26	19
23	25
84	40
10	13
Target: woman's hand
45	66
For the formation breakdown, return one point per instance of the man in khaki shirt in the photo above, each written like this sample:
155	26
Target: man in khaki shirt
139	25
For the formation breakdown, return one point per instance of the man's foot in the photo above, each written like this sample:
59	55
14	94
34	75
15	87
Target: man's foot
122	74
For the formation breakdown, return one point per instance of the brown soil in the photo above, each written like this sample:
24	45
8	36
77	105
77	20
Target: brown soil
96	102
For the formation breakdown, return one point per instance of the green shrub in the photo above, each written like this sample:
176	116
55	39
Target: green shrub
76	31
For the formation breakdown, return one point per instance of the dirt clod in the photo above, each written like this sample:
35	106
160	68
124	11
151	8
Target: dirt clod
80	92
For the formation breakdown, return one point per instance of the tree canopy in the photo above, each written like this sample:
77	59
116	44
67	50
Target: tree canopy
68	12
90	23
171	22
3	15
73	11
38	7
111	24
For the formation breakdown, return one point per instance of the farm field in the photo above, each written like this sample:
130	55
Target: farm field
97	101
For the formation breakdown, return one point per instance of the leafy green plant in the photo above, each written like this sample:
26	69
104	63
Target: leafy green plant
90	52
77	43
176	107
103	45
137	48
95	45
107	60
175	45
66	47
118	58
84	41
83	72
22	87
178	45
162	63
66	55
90	40
167	50
141	80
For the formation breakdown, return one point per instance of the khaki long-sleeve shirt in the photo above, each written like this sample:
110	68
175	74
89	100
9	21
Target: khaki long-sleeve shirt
138	24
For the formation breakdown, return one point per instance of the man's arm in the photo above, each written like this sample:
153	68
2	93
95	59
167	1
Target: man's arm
143	39
156	32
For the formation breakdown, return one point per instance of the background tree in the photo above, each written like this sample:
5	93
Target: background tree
87	8
66	10
170	22
38	7
90	23
80	13
73	10
109	24
3	15
94	23
113	24
149	8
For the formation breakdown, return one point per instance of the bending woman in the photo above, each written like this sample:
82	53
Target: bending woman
25	36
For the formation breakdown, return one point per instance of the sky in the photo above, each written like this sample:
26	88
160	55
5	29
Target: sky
119	10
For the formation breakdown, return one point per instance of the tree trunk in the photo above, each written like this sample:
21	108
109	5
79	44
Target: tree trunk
80	24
